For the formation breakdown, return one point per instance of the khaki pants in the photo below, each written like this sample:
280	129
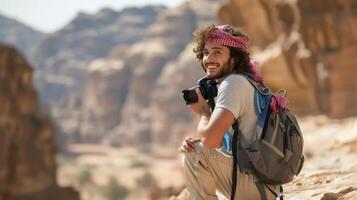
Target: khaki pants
208	171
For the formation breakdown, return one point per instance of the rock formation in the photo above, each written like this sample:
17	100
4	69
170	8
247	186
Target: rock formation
63	57
166	39
17	34
329	30
64	77
105	94
109	104
27	152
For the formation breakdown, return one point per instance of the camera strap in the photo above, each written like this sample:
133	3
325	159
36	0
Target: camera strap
235	158
211	103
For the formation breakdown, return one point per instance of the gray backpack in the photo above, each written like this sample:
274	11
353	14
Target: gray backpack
276	157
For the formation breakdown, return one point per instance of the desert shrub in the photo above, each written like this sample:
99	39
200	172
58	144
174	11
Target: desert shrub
138	164
115	144
145	148
147	180
113	190
66	160
84	176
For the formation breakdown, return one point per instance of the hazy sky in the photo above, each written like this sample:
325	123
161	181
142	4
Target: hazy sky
50	15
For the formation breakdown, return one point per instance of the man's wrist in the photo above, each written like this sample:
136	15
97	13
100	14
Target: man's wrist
205	112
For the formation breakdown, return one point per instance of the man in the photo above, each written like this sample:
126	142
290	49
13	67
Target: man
223	54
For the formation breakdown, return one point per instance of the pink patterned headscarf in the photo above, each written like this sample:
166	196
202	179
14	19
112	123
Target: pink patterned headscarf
219	36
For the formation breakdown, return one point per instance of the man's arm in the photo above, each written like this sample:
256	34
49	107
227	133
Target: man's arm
211	127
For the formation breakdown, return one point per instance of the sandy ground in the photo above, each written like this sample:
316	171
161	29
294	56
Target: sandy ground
330	170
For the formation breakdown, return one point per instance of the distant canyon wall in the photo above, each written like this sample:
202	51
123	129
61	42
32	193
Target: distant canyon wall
129	96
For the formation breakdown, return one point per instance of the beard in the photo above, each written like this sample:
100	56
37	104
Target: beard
225	70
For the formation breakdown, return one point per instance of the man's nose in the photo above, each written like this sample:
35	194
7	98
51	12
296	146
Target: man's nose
209	58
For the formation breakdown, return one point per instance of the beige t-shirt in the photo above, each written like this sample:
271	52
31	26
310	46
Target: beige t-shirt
236	94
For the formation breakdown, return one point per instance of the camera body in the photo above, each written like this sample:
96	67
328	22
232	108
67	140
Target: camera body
208	89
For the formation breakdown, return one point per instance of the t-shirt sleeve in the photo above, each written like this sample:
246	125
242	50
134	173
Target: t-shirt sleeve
232	95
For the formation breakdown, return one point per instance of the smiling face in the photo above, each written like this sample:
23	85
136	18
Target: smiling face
217	61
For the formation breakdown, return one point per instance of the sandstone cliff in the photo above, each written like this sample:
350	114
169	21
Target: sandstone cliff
62	57
67	83
104	98
27	152
329	30
166	39
112	103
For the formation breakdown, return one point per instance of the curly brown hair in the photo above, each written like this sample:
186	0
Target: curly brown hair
240	56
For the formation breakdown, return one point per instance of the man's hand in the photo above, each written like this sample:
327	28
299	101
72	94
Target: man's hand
201	106
188	145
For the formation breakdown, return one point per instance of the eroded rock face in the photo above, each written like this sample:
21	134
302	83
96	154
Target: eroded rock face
99	105
329	30
62	57
106	91
27	152
165	40
83	111
305	48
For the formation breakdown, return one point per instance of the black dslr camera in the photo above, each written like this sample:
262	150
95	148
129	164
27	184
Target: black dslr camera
208	88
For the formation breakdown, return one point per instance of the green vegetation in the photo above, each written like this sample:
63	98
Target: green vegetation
113	190
66	160
145	148
84	176
115	144
146	180
139	164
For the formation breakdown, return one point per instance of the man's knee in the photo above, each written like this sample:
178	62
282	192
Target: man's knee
188	159
191	159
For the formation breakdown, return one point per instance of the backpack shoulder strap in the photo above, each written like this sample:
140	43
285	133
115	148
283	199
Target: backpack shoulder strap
262	89
262	97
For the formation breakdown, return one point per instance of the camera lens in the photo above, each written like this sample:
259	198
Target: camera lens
190	96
